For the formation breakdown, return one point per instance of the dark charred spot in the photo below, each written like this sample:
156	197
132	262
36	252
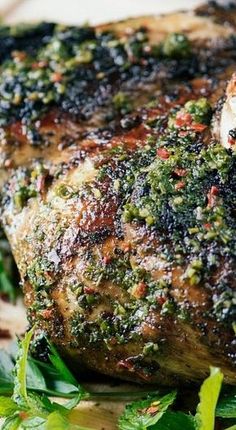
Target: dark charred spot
128	122
27	38
232	133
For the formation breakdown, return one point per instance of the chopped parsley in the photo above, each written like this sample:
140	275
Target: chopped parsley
176	45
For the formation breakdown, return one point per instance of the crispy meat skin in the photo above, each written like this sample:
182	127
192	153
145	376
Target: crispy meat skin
69	234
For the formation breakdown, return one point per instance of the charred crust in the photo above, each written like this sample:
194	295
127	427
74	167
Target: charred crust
130	258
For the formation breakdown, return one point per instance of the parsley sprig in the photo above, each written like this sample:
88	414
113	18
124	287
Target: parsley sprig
26	386
154	413
25	409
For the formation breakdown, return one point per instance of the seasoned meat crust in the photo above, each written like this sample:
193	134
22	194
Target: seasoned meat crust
118	190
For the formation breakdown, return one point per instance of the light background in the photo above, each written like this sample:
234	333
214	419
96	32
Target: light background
80	11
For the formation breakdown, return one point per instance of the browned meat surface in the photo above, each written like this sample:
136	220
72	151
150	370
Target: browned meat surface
118	190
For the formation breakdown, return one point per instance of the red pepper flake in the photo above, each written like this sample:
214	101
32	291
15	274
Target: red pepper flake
19	55
180	185
127	247
23	415
56	77
47	314
152	410
89	290
198	127
8	163
183	119
163	153
180	172
207	225
213	193
39	65
214	190
128	365
40	183
106	259
161	300
140	290
183	133
125	364
231	140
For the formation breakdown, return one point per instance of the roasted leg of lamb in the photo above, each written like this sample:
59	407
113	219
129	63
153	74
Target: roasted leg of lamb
118	190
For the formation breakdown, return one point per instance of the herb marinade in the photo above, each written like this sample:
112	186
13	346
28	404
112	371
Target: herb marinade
139	254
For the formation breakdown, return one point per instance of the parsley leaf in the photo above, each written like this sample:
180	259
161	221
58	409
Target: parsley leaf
31	408
20	391
34	376
142	415
28	410
57	421
209	394
226	406
7	406
145	413
176	421
6	377
41	377
12	423
37	423
61	366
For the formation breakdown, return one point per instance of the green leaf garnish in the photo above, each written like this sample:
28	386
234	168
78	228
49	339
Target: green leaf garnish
35	423
57	421
209	394
56	383
226	406
145	413
175	421
6	376
35	377
34	381
61	366
7	406
12	423
28	410
20	391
